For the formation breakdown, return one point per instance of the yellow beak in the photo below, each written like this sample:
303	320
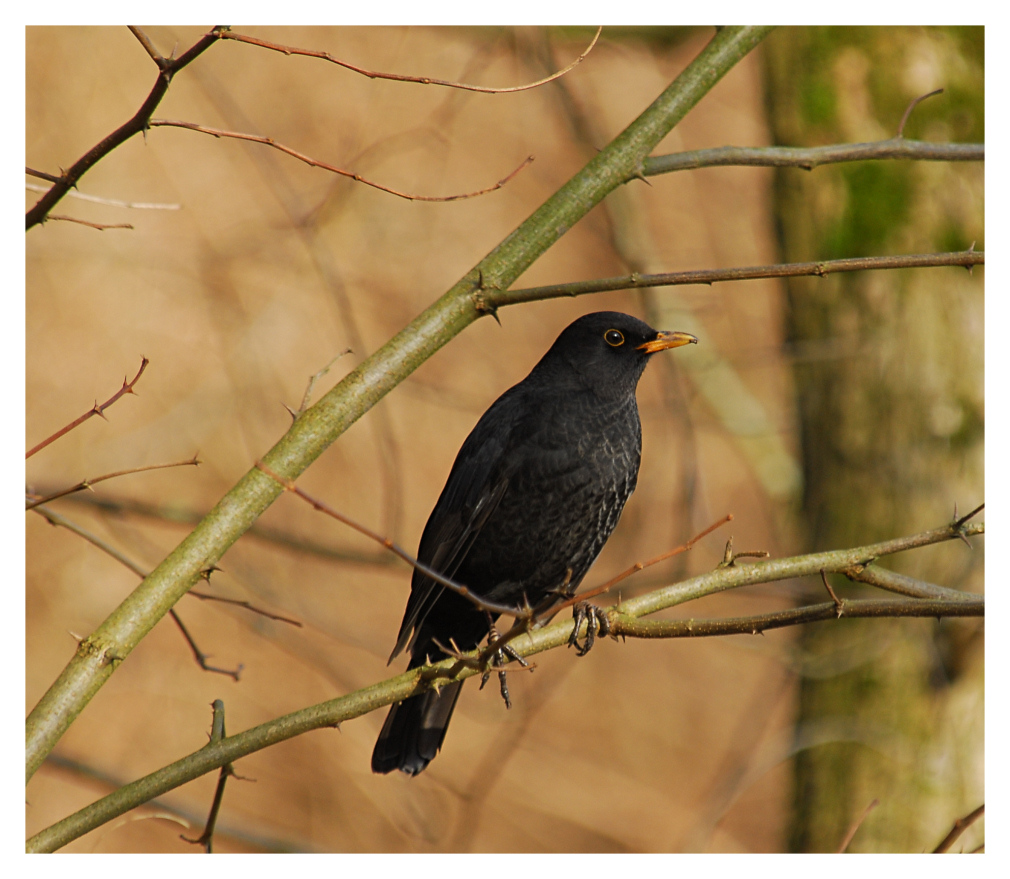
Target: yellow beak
667	339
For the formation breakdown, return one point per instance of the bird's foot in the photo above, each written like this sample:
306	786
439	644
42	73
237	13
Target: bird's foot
498	659
596	623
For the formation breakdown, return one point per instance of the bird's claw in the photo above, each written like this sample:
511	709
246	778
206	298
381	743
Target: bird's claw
596	623
498	659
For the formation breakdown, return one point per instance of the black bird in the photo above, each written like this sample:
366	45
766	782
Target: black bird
536	490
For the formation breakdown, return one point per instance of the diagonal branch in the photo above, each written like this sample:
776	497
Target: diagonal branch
127	388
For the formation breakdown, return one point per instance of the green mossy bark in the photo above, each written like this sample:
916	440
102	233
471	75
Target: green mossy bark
889	378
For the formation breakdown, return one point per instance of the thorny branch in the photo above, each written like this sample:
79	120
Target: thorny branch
87	483
167	68
127	388
490	299
398	77
332	713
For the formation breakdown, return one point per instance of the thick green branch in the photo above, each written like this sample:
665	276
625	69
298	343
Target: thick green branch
334	712
316	428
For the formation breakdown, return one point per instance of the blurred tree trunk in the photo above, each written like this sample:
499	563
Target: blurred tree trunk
889	378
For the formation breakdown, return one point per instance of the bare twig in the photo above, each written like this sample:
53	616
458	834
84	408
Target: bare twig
87	483
315	163
912	105
127	388
112	202
858	822
101	227
958	522
315	378
145	41
398	77
960	826
489	299
204	596
42	175
839	607
200	656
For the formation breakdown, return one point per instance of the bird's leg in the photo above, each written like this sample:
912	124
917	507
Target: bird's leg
596	622
498	659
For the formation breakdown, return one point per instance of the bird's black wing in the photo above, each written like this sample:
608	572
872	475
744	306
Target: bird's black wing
475	487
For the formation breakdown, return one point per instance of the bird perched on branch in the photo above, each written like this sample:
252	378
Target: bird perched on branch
534	493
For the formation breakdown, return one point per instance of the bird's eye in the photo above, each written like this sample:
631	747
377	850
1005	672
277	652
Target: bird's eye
614	338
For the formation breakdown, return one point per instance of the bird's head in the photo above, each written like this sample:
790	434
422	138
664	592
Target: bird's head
607	351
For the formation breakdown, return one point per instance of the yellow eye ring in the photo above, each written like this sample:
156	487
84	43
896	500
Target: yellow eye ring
614	338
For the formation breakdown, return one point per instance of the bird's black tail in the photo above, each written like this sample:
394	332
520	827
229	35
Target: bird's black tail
414	730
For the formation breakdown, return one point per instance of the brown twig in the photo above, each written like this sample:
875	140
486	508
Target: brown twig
960	826
200	656
42	175
398	77
912	105
127	388
87	483
840	608
489	298
145	41
641	566
847	839
315	163
101	227
458	588
204	596
167	68
958	522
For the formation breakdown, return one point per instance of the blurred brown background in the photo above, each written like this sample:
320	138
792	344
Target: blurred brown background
269	269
